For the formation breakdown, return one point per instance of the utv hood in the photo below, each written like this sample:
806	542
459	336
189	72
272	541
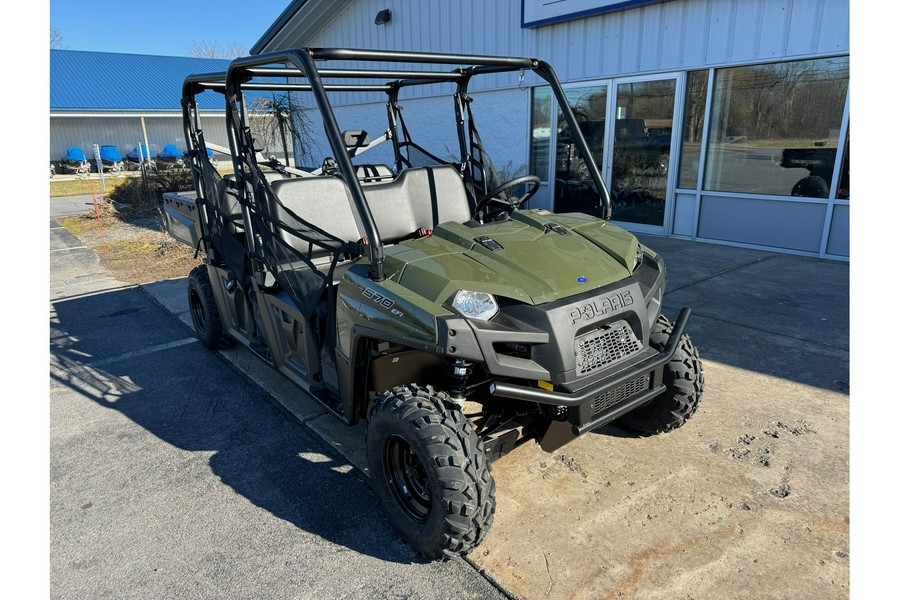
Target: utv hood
534	257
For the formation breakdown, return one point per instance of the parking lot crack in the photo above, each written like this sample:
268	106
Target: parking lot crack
549	575
720	273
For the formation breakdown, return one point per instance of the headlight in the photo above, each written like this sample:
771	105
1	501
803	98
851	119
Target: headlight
475	305
638	257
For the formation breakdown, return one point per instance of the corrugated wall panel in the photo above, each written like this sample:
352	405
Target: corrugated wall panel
652	35
772	27
669	36
126	133
748	15
803	34
695	33
720	32
834	35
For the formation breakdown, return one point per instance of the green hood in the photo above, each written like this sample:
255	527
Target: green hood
536	265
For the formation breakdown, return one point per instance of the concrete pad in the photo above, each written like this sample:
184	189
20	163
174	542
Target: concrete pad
781	356
695	513
349	441
172	295
784	295
689	262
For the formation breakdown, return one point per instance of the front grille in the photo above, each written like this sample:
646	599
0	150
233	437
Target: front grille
616	395
603	347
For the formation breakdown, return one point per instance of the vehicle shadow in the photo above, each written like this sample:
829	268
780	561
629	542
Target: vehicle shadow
196	401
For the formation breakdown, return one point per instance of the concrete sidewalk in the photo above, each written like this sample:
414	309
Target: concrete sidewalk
750	499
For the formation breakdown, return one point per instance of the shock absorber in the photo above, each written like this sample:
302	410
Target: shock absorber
459	376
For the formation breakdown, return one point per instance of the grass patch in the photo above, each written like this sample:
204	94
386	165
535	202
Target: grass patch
82	187
147	258
130	248
81	224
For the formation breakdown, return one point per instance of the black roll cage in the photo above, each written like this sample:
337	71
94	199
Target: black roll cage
243	74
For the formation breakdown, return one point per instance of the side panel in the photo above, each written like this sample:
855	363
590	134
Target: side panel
182	218
291	341
387	307
234	305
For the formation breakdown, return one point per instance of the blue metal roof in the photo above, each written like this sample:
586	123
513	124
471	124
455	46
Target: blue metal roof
111	82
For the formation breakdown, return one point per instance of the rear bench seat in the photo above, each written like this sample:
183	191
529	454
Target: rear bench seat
228	203
418	198
374	173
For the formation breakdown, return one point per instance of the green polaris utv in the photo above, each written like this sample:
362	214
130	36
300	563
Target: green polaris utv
420	293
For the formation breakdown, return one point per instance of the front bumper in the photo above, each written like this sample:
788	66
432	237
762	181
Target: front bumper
607	400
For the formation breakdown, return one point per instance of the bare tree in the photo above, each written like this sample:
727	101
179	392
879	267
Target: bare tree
277	119
56	40
205	49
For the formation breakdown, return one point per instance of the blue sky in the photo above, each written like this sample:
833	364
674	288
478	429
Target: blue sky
165	27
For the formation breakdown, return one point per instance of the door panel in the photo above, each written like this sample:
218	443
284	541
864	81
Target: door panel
641	141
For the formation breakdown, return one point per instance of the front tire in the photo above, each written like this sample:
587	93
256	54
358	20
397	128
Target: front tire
204	312
683	376
429	471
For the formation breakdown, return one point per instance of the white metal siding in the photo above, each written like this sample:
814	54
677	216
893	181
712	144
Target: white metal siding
669	36
126	132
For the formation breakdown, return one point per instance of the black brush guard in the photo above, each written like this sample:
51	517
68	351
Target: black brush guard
586	419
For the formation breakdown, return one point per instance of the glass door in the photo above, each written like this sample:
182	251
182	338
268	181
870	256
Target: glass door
573	189
641	134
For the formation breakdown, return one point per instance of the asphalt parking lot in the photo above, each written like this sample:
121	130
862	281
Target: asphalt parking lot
172	475
176	472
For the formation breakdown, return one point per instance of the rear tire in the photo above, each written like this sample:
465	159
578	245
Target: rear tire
811	187
429	471
204	312
683	376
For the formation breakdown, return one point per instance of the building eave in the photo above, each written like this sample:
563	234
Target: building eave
299	22
127	114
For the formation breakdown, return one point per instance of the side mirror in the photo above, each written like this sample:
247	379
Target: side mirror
355	138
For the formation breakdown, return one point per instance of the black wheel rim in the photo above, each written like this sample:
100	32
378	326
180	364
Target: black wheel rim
197	311
407	478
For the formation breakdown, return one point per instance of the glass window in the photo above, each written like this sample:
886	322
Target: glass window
540	132
774	128
574	188
692	131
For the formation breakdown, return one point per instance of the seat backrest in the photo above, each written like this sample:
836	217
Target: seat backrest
419	198
323	202
374	173
227	203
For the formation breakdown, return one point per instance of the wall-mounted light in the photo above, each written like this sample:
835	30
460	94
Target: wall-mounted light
383	16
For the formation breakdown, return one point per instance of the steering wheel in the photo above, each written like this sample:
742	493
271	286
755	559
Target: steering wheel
329	167
514	203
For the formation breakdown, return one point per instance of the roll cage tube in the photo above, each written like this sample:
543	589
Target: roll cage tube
549	75
302	60
193	135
